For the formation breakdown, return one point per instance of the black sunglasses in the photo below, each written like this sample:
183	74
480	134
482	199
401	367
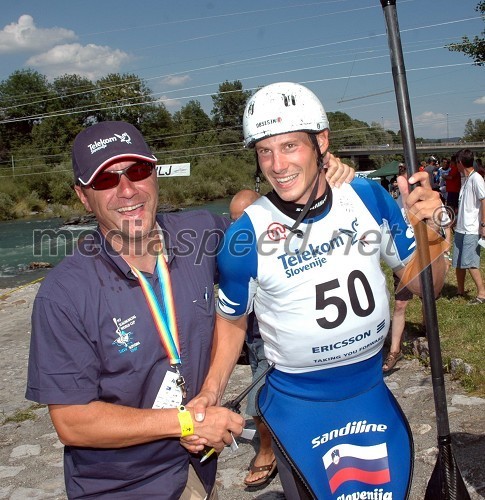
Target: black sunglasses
109	179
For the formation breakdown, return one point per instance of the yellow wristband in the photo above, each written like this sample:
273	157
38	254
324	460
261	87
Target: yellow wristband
185	420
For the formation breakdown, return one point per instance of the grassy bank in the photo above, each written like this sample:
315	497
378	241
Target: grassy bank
51	193
461	328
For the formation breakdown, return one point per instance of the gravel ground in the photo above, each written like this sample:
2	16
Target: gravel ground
31	455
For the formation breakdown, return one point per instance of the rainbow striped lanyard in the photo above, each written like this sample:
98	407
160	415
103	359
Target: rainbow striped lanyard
165	323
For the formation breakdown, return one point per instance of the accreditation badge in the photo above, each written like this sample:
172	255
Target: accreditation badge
169	395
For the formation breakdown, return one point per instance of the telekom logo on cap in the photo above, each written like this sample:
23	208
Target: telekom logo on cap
102	143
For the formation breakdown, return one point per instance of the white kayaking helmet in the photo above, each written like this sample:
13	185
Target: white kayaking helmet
280	108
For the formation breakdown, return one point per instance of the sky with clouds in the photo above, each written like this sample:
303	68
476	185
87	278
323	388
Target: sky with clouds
184	50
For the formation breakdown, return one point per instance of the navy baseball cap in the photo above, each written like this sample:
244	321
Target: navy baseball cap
103	143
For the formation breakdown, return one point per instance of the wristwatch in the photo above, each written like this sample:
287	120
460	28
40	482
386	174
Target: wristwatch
482	224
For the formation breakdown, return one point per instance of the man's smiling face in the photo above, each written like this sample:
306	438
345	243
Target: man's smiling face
289	163
128	209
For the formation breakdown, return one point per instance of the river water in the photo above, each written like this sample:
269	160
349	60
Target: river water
23	242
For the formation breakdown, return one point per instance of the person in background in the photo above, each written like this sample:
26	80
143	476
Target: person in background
479	168
442	171
398	323
401	301
122	333
470	227
394	188
432	169
311	271
402	296
263	466
453	184
385	183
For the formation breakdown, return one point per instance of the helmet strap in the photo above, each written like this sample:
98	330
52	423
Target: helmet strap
320	156
257	174
294	228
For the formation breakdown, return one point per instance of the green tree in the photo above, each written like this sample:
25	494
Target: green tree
229	104
73	101
395	137
192	119
156	124
193	128
474	131
74	94
474	48
24	96
6	206
60	187
346	131
123	97
52	139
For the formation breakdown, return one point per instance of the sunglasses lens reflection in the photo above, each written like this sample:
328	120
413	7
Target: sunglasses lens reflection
108	180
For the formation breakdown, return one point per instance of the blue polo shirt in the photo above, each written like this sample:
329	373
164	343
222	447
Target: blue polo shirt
93	339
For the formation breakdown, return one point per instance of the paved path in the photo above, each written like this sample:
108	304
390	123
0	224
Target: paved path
31	455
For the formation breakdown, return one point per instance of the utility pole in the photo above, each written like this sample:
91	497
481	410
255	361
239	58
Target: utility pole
447	129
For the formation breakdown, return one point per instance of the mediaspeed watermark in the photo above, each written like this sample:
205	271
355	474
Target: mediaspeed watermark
444	217
63	242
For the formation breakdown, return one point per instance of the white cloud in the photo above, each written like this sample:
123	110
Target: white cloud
480	100
176	80
434	124
430	118
24	36
170	103
91	61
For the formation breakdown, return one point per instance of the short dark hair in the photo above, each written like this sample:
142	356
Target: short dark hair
465	157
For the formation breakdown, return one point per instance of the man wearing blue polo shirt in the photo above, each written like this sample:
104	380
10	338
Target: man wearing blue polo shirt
122	332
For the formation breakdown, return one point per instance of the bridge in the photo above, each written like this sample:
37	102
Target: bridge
360	154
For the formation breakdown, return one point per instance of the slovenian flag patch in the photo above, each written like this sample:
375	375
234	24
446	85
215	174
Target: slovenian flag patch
347	462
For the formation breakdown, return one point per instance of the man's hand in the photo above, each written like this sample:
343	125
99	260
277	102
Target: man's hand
422	202
337	172
226	346
424	206
216	430
201	402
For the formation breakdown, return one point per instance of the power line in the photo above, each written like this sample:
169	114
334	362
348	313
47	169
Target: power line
218	16
252	59
196	96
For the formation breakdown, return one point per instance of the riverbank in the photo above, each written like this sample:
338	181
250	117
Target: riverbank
48	240
31	455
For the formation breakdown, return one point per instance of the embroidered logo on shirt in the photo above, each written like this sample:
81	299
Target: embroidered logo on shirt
124	338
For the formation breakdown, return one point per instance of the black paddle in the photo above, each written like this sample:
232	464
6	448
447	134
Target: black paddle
235	406
446	482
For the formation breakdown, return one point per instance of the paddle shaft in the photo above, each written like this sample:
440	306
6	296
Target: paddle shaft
426	277
235	404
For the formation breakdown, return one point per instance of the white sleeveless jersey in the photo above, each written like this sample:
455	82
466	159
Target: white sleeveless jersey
321	300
